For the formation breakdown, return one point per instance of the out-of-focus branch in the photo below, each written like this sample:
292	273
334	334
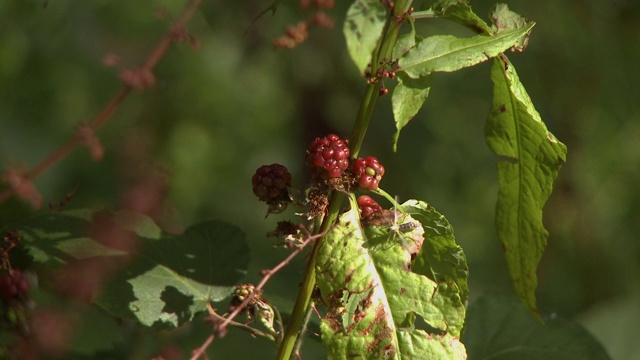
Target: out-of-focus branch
132	79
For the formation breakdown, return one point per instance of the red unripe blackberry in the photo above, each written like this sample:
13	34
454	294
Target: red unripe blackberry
328	157
13	284
368	172
270	183
368	206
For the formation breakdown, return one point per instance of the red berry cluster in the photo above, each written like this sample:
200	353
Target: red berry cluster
13	284
270	183
368	172
368	206
328	157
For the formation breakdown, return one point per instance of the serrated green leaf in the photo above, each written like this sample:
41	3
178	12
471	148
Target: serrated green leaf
166	278
532	157
440	254
374	300
449	53
363	29
500	328
505	19
460	12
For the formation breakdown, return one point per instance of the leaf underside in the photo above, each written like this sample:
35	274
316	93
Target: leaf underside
376	306
530	160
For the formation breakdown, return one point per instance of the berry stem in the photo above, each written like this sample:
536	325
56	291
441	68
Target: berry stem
382	54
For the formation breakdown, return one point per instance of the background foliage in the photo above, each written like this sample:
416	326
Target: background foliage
237	103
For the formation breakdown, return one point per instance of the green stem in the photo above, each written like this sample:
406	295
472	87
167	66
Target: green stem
382	54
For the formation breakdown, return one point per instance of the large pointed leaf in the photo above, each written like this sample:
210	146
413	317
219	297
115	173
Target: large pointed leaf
449	53
166	278
500	328
531	158
376	304
362	30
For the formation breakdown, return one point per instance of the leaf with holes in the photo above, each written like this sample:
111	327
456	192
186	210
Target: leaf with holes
378	307
155	277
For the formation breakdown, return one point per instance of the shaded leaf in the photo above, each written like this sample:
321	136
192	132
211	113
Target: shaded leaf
449	53
165	279
173	278
55	239
530	160
460	12
377	307
500	328
363	29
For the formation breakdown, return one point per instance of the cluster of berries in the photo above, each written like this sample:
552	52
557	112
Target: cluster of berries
328	158
13	285
329	163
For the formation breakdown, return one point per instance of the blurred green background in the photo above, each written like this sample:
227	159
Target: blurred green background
218	113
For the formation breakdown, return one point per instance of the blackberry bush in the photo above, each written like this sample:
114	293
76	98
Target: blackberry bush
328	157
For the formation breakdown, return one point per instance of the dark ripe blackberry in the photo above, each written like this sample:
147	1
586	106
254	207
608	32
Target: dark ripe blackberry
328	157
13	284
368	206
270	183
368	172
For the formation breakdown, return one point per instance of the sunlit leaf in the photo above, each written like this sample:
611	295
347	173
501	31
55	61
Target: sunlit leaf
362	30
408	97
530	160
440	254
460	12
449	53
504	19
500	328
378	307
